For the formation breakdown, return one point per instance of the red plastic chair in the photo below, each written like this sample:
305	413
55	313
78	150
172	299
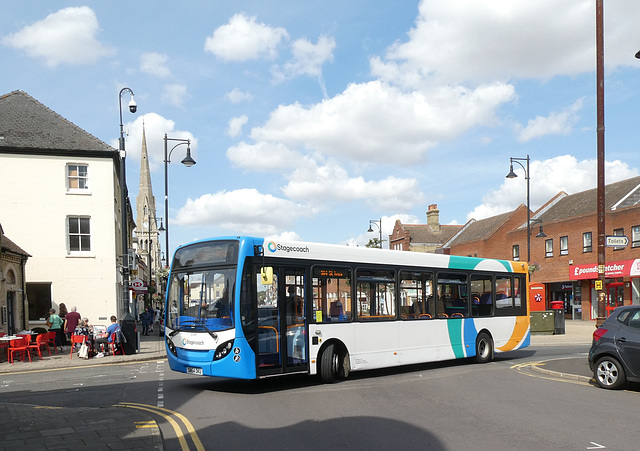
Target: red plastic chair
18	345
76	339
51	339
38	344
113	346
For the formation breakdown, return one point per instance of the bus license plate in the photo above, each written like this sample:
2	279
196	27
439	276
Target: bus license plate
194	370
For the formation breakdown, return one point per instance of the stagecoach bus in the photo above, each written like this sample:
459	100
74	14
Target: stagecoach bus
240	307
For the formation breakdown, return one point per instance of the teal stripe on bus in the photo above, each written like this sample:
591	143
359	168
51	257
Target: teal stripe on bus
458	262
455	336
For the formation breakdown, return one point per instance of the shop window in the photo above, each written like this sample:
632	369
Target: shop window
564	245
515	252
586	242
548	248
635	236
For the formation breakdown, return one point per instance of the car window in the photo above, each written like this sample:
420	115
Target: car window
634	321
622	317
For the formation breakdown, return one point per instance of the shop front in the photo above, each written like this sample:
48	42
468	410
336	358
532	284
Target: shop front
621	287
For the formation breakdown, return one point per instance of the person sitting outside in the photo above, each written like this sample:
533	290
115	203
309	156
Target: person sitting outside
114	328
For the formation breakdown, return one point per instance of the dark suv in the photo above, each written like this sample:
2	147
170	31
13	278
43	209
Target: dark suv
614	356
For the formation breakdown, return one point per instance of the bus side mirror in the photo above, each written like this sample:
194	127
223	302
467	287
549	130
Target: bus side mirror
267	275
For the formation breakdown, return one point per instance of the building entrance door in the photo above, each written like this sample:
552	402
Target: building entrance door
615	296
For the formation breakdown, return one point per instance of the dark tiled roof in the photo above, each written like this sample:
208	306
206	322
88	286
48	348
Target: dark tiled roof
584	203
480	229
421	233
6	245
27	124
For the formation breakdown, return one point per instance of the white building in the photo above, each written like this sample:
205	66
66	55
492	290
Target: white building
60	198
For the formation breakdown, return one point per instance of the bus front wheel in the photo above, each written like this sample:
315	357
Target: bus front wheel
484	348
329	364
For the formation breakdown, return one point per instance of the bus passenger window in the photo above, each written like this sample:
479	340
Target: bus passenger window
331	294
416	295
453	298
504	295
376	295
481	295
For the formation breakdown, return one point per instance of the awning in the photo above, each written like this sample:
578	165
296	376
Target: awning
623	268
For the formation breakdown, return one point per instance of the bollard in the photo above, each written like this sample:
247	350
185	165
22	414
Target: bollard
128	326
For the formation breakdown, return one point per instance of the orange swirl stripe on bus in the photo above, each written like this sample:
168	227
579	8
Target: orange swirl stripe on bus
520	330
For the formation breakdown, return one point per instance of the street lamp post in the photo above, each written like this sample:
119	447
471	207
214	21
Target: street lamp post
512	175
188	162
123	199
378	223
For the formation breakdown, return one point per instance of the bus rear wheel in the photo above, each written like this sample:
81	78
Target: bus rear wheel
484	348
329	364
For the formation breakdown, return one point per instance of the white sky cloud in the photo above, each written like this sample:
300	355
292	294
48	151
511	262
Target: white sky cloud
548	178
557	123
308	58
236	124
245	211
369	120
175	94
155	64
64	37
467	40
243	38
238	96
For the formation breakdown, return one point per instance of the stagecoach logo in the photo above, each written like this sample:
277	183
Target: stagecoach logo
187	342
273	247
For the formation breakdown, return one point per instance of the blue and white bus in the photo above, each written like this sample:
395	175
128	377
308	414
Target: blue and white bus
241	307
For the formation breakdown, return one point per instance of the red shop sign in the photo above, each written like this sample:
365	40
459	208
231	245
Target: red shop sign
623	268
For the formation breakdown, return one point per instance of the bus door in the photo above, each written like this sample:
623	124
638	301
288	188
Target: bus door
282	321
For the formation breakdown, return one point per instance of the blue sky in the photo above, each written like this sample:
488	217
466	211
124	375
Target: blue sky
308	119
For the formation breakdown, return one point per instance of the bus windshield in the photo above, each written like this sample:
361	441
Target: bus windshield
201	299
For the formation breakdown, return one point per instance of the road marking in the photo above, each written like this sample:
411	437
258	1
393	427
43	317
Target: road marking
596	446
176	427
145	424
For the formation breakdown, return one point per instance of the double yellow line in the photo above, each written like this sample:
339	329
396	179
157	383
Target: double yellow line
169	416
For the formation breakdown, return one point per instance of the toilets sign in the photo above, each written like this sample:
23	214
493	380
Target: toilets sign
616	241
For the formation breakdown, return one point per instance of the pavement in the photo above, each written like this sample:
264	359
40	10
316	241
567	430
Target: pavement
577	368
35	427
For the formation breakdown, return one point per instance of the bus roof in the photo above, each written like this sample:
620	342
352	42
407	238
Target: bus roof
341	253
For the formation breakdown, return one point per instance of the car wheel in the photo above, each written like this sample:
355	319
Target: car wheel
609	373
484	348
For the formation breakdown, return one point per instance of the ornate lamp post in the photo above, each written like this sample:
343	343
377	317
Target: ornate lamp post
512	175
378	223
123	199
188	162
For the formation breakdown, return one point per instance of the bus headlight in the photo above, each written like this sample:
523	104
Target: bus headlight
222	350
171	346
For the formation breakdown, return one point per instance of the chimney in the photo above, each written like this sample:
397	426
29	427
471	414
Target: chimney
433	217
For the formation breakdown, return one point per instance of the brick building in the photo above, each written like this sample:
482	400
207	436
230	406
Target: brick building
420	237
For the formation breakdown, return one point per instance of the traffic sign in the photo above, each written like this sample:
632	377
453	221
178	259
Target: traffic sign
616	241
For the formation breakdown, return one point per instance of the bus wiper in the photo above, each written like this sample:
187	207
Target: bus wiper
197	322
